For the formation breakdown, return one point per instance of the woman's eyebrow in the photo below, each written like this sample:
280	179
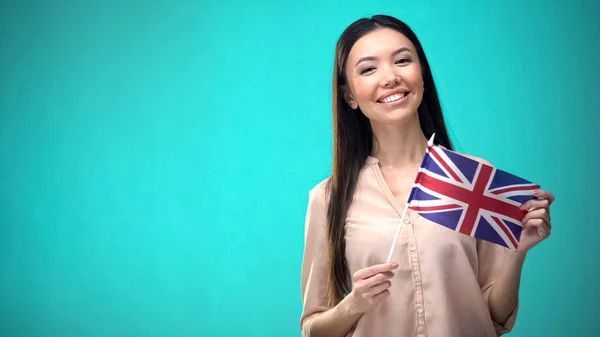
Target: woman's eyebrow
373	58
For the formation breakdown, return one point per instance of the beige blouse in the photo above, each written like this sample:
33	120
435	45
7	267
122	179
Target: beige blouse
443	281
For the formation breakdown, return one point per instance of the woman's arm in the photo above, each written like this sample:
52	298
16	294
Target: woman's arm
337	321
504	294
369	285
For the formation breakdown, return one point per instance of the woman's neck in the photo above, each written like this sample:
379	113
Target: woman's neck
399	145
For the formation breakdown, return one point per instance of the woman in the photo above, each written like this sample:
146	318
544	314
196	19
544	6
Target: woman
439	283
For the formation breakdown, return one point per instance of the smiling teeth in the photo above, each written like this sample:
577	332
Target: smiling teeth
393	98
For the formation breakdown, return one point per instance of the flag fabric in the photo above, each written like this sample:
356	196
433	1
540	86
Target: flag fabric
470	197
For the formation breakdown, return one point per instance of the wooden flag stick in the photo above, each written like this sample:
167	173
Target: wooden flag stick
429	143
397	233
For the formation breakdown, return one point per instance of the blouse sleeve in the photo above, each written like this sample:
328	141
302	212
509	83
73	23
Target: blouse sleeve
491	259
314	262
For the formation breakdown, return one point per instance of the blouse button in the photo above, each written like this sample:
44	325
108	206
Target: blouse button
417	280
413	249
419	310
407	222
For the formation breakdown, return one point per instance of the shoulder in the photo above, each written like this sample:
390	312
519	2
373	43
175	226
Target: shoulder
478	159
316	213
318	194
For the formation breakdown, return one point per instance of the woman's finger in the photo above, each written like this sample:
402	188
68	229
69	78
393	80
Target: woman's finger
373	270
377	279
373	291
387	274
381	296
544	195
540	224
535	203
540	213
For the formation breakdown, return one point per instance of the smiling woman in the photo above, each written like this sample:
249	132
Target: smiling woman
385	107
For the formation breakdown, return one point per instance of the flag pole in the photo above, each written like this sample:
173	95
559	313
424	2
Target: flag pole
429	143
397	233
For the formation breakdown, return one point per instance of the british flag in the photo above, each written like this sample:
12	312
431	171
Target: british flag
470	197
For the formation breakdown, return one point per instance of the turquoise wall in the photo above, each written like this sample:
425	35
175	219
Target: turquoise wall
156	156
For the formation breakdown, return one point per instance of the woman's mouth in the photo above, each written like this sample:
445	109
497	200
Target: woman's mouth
395	99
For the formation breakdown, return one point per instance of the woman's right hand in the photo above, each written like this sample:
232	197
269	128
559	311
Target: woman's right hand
370	287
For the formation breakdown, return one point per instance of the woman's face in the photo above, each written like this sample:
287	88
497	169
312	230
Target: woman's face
384	77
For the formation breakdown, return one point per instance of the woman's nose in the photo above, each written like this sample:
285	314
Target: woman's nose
390	78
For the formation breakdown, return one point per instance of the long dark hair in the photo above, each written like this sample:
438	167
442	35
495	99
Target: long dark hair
353	141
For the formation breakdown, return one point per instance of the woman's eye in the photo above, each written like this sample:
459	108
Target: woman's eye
402	61
366	70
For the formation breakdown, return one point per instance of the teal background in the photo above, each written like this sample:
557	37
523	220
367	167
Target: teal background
156	156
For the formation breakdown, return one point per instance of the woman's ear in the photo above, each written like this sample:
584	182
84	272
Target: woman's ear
349	99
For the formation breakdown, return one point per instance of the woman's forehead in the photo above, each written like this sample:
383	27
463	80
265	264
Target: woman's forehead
379	43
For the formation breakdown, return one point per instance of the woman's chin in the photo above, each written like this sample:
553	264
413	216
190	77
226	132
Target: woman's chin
393	117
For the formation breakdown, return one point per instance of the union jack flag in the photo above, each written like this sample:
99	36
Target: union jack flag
470	197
